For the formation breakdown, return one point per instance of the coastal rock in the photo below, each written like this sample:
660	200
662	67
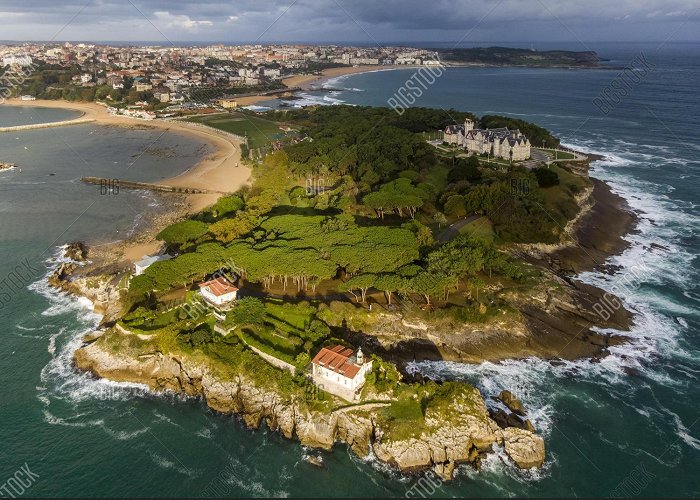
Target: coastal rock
523	447
445	442
93	336
512	402
409	455
61	275
505	419
76	251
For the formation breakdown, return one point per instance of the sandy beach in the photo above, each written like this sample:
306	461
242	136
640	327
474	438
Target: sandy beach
307	81
221	172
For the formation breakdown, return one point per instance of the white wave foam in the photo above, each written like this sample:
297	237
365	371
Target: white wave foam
124	435
166	463
683	432
205	433
257	108
249	480
52	341
306	99
30	328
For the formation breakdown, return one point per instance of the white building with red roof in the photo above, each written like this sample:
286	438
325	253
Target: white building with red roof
218	291
340	371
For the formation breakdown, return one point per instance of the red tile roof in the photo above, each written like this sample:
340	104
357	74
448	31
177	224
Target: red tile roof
219	286
337	358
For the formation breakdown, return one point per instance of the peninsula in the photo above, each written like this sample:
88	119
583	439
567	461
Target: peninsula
296	300
507	56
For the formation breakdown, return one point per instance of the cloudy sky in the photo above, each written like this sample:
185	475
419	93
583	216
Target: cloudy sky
366	21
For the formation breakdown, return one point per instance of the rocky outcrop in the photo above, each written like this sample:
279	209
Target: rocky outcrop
556	318
462	436
513	403
102	290
515	417
76	251
523	447
61	276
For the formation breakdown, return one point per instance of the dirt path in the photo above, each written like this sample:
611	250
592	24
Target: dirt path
452	231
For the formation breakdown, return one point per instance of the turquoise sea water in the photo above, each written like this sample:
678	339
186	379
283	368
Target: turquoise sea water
632	416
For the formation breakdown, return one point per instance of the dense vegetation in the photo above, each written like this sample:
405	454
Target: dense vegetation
368	230
508	56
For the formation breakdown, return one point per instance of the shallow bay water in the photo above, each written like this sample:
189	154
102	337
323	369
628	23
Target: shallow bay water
631	415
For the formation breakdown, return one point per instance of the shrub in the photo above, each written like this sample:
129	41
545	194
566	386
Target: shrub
248	311
183	232
546	177
454	206
227	205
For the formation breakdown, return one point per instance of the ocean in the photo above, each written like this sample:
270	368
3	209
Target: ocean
625	425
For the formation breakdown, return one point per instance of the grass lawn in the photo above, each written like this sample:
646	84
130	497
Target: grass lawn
295	315
260	132
267	341
480	228
404	418
560	198
564	155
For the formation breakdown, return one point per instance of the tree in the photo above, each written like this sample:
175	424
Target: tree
183	232
399	195
226	205
389	283
462	257
248	311
477	283
201	336
317	331
440	218
430	284
546	177
455	206
361	282
466	169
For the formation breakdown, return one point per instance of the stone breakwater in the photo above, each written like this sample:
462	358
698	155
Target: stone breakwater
32	126
461	433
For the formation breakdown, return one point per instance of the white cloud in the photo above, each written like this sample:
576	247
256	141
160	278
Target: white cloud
180	21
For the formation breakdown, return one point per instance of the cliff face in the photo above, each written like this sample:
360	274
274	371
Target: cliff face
552	320
466	433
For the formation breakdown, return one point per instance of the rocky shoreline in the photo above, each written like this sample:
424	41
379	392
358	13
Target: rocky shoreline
548	318
464	437
469	431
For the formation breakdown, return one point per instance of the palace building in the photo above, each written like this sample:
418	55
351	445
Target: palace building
497	142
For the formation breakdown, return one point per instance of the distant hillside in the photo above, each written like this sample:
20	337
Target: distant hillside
504	56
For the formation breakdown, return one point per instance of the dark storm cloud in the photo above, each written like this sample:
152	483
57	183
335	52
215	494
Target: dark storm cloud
370	21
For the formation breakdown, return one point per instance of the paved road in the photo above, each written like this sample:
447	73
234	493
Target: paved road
452	231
